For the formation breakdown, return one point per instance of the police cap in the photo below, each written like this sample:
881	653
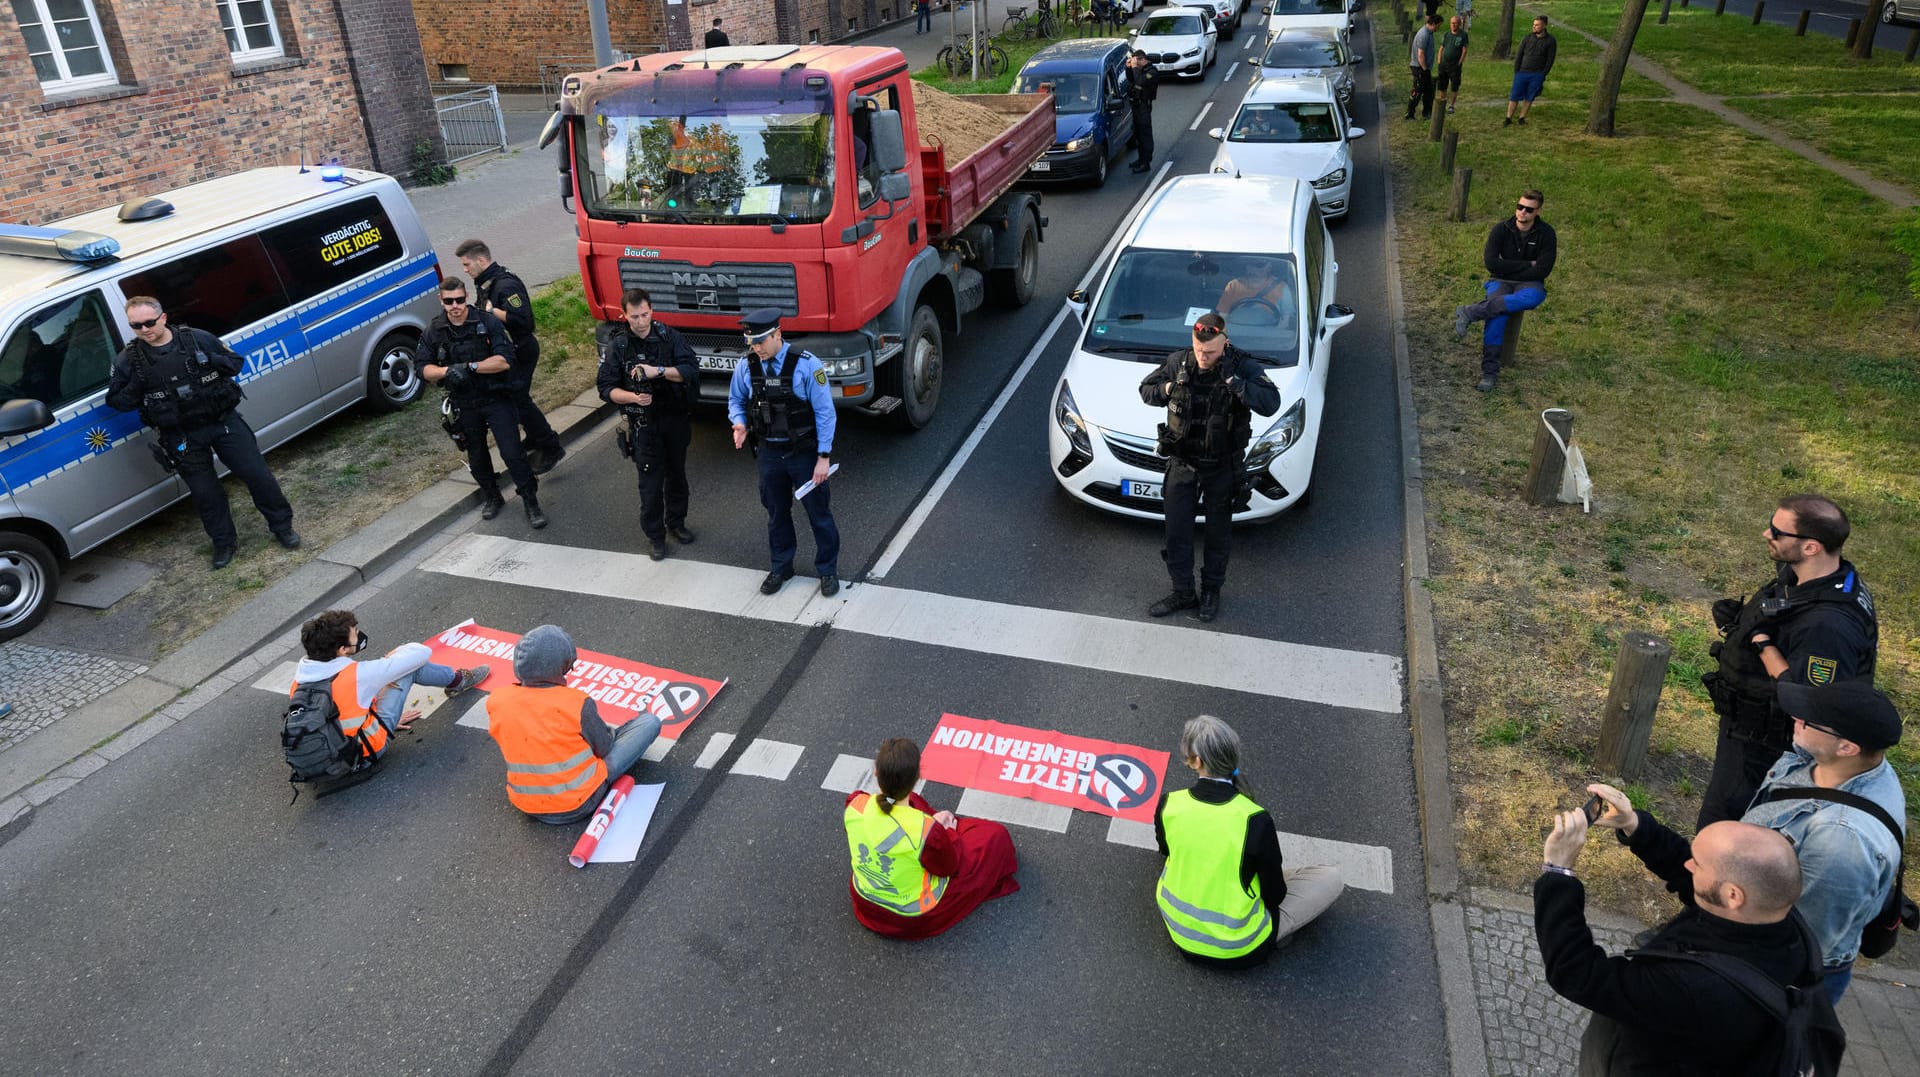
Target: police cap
760	323
1853	710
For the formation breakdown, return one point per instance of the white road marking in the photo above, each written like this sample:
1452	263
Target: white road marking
658	750
426	700
1198	116
1020	811
767	759
1362	867
717	746
1231	68
1359	680
1252	40
279	679
476	714
852	773
1129	832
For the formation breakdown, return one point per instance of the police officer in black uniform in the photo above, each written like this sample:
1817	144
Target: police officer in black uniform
1143	87
501	294
1210	391
469	353
649	369
1812	624
779	399
183	382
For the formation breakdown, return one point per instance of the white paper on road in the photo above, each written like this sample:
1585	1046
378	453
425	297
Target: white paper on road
621	843
807	487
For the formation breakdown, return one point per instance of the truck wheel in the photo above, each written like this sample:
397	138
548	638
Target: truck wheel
29	578
914	374
393	379
1014	286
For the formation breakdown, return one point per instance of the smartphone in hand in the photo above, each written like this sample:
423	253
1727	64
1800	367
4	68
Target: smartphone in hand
1594	808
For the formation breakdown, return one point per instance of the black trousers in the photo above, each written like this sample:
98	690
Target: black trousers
232	440
1739	766
1422	94
1189	488
660	456
496	413
1143	135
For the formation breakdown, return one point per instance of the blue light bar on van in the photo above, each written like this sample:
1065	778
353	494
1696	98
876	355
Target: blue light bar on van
332	173
67	244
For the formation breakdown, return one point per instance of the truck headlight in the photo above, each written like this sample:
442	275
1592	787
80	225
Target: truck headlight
1332	179
1067	414
844	368
1282	436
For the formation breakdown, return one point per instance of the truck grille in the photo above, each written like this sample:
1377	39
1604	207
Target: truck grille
721	288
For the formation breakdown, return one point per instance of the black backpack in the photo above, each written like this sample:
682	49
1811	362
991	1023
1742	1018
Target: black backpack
310	734
1883	930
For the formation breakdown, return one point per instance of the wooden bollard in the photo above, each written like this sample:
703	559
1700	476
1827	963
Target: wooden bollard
1759	6
1439	117
1462	183
1853	31
1448	146
1684	4
1666	8
1549	460
1639	671
1913	46
1800	24
1863	45
1719	7
1510	340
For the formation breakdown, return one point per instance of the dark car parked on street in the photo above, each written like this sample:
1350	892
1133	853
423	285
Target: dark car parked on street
1092	119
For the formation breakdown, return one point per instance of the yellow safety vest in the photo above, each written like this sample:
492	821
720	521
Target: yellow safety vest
1206	909
885	849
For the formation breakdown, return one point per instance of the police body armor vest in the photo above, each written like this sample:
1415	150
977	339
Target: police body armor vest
1206	910
669	398
471	342
176	401
1202	422
885	849
1741	689
550	766
779	416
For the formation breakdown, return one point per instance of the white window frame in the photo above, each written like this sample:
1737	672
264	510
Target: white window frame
67	81
245	55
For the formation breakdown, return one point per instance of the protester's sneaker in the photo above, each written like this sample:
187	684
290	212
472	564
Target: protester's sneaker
467	679
1486	383
1462	321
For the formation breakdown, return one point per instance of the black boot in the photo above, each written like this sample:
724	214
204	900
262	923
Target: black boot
1209	603
535	517
1178	600
493	505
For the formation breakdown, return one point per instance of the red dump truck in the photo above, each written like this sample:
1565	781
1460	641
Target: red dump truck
806	178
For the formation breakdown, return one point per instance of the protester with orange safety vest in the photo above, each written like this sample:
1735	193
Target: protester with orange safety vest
918	872
375	689
1224	895
561	756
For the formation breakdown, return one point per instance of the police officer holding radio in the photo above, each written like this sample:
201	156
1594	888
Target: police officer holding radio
1812	624
469	353
1210	391
779	399
648	369
502	294
183	382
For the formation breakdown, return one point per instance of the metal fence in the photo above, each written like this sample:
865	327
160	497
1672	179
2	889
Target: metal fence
470	120
555	68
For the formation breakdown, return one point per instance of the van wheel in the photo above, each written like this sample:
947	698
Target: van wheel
393	380
1014	286
1100	168
914	374
29	579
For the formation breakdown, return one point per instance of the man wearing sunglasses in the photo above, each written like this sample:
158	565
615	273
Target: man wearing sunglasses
779	397
1812	624
468	352
1519	254
185	384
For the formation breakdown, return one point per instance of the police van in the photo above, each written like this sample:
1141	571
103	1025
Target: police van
322	277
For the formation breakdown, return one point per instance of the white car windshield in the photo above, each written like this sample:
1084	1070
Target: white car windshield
1172	26
1150	301
1293	121
1309	7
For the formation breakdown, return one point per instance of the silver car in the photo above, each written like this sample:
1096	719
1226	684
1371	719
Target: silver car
1314	52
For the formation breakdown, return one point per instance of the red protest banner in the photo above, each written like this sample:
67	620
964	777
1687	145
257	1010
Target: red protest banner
1049	766
620	687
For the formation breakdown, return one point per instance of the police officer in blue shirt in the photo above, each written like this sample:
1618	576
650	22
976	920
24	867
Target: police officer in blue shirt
779	398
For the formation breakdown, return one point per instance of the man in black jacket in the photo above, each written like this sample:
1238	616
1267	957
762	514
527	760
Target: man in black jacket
469	353
1143	86
649	369
498	292
1210	391
1519	254
1652	1015
185	384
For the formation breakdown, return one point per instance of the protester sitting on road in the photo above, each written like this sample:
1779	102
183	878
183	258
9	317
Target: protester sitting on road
918	872
1226	897
377	687
561	755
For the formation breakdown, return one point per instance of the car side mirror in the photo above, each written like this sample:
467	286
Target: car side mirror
23	416
1218	134
1077	302
1355	132
1353	61
1336	318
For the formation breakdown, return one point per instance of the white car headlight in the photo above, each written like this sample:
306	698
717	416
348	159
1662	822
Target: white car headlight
1282	436
1067	414
1079	144
1332	179
1190	53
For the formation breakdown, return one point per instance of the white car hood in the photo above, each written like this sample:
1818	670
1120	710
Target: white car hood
1107	391
1277	23
1175	43
1302	160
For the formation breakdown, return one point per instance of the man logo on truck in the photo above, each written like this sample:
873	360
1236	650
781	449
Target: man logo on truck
706	280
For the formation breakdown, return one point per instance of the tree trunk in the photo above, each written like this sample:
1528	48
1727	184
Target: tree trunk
1863	44
1613	68
1503	44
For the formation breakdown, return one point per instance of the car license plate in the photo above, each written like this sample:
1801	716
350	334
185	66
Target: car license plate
1040	166
1136	488
720	363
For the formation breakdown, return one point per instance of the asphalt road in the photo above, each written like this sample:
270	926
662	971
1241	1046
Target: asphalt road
1830	18
176	915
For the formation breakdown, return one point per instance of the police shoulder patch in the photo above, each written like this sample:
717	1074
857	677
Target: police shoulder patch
820	375
513	300
1821	670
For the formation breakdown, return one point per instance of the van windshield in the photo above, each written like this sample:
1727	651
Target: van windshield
711	147
1072	93
1151	299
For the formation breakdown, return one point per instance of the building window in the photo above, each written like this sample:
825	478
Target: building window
252	33
454	73
65	43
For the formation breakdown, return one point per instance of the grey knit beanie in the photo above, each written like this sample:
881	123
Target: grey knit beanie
544	656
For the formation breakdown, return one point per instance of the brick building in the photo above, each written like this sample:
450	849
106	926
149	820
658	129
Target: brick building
102	99
506	42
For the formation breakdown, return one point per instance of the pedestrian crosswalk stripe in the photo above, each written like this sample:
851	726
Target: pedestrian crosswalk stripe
767	759
1362	867
1359	680
717	746
1020	811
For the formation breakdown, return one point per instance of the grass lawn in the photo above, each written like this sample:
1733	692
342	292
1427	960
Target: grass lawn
1728	324
1484	80
1878	133
1018	52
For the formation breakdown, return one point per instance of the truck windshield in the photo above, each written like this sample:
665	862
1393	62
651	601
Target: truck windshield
667	150
1152	297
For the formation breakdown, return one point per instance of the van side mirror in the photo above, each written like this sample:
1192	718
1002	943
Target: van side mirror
889	146
23	416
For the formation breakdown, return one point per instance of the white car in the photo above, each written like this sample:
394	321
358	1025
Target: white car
1181	40
1288	14
1182	258
1226	16
1292	127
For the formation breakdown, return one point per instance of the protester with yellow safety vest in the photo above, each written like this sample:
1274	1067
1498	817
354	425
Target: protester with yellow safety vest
372	695
561	756
1224	895
918	872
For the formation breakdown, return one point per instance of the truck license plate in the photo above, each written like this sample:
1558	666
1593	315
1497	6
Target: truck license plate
720	363
1136	488
1040	166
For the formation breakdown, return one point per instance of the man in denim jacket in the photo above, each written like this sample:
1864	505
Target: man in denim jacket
1841	733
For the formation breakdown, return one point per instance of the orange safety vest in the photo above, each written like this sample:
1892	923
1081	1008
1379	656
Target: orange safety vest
355	720
550	766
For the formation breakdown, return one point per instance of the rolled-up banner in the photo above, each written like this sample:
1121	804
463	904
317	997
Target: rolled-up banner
602	819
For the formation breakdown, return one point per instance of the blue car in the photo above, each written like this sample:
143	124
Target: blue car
1093	119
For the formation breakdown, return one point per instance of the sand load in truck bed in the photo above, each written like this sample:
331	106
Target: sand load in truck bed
960	124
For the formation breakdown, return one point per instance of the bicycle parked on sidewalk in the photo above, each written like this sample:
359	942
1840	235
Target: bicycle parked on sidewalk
957	60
